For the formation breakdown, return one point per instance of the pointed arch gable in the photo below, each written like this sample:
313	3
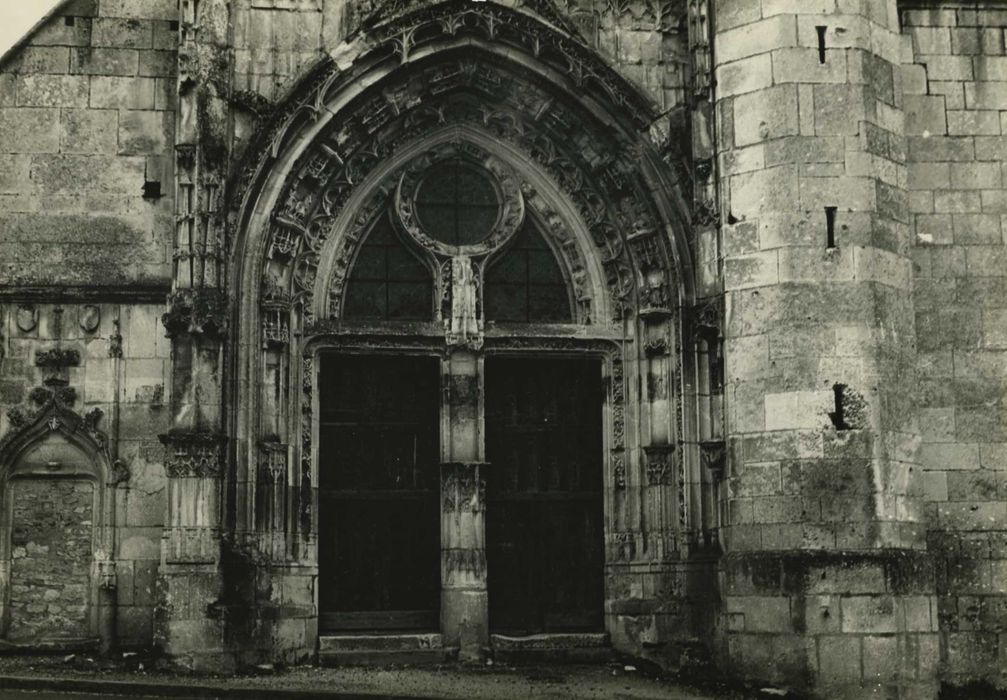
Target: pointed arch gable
328	162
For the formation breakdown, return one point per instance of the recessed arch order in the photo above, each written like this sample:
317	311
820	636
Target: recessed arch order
519	89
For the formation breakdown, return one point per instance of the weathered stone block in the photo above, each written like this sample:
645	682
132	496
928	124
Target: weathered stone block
145	132
32	130
140	9
158	63
985	95
766	114
70	173
756	38
839	659
104	61
127	33
746	75
88	131
925	114
52	91
753	270
774	189
38	59
111	92
801	65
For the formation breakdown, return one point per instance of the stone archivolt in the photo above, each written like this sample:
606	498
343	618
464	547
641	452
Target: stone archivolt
569	144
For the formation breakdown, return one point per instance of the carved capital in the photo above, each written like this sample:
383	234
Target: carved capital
201	311
193	454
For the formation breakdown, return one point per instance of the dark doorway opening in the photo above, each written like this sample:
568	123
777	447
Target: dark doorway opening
379	516
544	515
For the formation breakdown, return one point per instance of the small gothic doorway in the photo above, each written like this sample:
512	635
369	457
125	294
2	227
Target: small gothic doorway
544	516
379	553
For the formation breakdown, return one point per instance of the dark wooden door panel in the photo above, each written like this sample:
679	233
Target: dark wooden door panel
544	500
379	518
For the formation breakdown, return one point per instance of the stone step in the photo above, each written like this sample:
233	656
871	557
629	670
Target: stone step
383	649
561	647
380	642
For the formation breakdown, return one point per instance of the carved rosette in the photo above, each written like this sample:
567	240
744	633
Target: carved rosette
193	455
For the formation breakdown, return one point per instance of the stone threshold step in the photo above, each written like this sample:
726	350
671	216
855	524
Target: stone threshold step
560	647
383	649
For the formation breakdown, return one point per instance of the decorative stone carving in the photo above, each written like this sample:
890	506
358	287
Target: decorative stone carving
463	488
193	454
714	457
26	318
511	203
57	359
196	312
54	412
275	327
463	327
115	341
120	473
88	317
660	464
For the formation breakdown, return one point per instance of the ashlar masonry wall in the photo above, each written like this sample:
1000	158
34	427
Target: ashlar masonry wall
956	119
86	128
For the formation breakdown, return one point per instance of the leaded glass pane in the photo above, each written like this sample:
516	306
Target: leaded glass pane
388	282
526	284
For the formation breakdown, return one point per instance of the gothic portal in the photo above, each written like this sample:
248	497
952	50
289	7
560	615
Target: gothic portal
466	398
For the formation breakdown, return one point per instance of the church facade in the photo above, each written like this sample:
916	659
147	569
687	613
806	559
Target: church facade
335	330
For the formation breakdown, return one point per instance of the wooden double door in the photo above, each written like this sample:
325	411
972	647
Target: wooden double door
379	495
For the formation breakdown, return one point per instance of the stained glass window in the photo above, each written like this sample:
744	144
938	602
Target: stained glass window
456	203
526	283
388	281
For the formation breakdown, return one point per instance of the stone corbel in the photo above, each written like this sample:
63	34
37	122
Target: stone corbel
707	319
713	454
193	454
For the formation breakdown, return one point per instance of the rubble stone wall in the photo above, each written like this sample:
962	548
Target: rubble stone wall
51	538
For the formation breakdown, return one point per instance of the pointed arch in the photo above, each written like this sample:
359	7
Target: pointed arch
510	88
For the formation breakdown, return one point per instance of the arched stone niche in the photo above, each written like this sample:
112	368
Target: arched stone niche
499	82
57	571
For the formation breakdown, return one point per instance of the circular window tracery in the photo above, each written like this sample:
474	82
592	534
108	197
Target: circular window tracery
457	203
